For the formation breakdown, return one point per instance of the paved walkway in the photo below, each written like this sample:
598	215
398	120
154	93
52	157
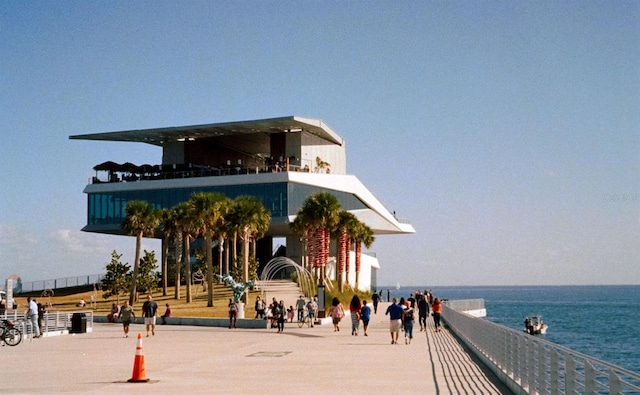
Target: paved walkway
205	360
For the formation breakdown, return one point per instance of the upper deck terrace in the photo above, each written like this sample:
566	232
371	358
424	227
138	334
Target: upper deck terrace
128	172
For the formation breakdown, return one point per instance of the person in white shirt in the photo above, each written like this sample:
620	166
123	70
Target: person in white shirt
32	315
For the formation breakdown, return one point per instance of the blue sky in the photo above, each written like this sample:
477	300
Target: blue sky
506	132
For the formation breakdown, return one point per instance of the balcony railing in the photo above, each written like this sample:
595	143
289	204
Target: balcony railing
133	173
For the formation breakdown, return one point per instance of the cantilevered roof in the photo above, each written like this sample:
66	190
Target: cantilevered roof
181	133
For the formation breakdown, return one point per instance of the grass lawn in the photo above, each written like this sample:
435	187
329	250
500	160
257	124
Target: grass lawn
197	308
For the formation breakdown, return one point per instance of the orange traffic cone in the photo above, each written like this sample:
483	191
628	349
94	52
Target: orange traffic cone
139	375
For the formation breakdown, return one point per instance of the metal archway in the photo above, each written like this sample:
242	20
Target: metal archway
278	264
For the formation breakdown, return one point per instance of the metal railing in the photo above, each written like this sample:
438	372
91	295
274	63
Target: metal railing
41	285
531	365
54	322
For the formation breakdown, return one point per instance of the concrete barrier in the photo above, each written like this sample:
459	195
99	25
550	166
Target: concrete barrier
196	321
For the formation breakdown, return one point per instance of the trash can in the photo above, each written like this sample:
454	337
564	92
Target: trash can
79	323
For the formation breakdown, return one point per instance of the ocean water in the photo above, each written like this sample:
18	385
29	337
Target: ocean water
600	321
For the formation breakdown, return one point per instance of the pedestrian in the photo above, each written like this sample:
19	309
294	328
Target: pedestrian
376	300
412	301
336	313
167	313
423	312
126	314
259	307
233	313
290	314
437	311
408	317
300	307
115	310
280	312
32	315
149	312
312	307
394	311
365	314
354	309
41	312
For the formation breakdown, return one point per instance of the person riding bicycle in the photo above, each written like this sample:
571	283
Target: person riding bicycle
300	307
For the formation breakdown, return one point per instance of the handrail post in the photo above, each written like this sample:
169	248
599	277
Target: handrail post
615	384
543	374
531	365
554	370
570	374
589	378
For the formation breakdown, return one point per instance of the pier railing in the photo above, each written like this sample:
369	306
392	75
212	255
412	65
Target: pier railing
53	322
532	365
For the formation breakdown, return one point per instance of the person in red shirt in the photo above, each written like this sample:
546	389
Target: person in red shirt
436	307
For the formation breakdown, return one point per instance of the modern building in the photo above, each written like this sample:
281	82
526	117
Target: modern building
280	160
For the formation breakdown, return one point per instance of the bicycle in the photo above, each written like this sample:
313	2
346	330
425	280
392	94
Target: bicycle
9	333
305	319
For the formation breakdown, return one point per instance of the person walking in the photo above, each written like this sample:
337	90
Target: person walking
423	312
354	309
408	318
376	299
280	314
233	313
126	314
149	312
336	313
437	311
365	314
41	312
32	316
312	306
394	311
259	307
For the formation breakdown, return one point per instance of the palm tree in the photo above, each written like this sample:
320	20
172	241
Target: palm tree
207	212
362	235
251	220
186	229
169	229
304	227
141	219
347	223
320	213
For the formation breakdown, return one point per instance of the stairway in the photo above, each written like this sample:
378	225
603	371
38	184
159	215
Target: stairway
285	290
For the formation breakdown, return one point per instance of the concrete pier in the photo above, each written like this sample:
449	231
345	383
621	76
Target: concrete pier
205	360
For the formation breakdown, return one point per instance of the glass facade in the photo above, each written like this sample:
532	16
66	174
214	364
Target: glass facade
281	199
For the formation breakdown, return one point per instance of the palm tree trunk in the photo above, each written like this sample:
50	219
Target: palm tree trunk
235	249
245	254
187	273
207	246
136	268
342	242
221	255
358	255
310	255
347	260
226	258
179	257
165	258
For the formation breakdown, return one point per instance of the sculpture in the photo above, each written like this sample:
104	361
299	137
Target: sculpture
238	288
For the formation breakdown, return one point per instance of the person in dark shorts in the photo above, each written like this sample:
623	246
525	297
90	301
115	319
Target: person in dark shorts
126	315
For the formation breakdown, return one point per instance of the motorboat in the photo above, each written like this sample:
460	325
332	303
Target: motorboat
533	325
